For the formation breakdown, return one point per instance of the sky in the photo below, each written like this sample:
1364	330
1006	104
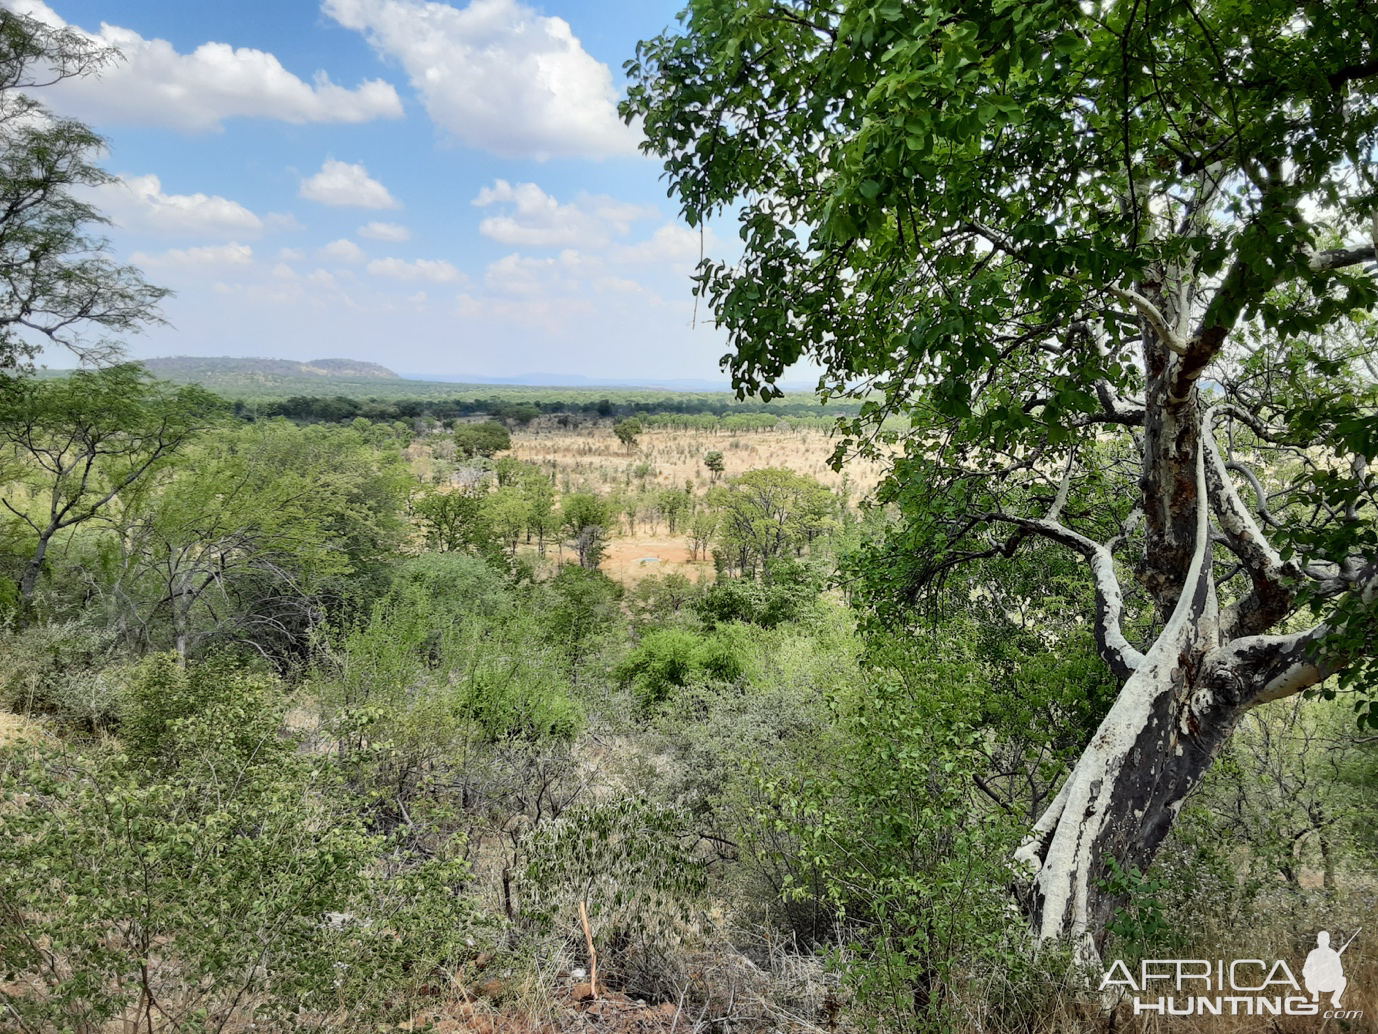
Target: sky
443	188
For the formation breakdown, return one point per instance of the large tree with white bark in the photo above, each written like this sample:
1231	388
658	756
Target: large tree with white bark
1115	260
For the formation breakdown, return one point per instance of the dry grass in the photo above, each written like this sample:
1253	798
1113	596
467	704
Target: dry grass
16	728
592	457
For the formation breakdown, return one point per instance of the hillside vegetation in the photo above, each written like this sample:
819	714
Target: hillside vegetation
534	726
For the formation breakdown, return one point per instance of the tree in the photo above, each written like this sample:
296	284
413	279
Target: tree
59	282
714	462
767	514
703	525
674	505
508	514
482	439
626	431
586	518
1113	262
74	444
453	520
255	530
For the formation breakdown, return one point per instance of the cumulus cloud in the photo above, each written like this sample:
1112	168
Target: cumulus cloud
342	250
498	75
671	244
435	271
535	219
138	203
384	232
209	255
154	85
346	186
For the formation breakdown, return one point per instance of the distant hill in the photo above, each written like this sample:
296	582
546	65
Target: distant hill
209	369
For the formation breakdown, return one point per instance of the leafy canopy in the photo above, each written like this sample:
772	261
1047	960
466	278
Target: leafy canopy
60	285
1033	226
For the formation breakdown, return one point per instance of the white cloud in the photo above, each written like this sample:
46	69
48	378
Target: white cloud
498	75
344	185
209	255
671	244
342	250
138	203
538	220
154	85
384	232
432	270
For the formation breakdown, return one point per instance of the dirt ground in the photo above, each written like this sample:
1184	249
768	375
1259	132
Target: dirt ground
592	459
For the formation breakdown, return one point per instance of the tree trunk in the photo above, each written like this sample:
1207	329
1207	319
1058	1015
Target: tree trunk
1123	795
1178	707
28	581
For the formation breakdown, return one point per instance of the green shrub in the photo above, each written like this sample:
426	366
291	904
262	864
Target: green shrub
671	658
211	875
62	669
755	603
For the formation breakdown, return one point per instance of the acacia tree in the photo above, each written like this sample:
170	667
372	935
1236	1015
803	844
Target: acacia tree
1113	259
59	284
70	447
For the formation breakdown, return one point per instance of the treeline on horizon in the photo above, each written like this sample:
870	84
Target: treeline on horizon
674	411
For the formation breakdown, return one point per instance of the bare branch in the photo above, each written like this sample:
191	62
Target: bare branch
1169	337
1122	656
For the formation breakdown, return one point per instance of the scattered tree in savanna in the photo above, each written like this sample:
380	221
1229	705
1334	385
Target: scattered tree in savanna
1113	261
73	445
485	439
769	513
627	431
714	462
587	520
674	504
59	282
703	525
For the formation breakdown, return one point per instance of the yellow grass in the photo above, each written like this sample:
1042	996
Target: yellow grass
592	457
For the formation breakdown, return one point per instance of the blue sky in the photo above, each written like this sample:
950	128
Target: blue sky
442	188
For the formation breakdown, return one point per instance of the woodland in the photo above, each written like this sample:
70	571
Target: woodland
1046	643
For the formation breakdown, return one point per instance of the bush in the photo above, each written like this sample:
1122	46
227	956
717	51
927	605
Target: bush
671	658
211	875
751	602
484	439
64	670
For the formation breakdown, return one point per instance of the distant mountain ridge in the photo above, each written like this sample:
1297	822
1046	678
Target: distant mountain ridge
190	367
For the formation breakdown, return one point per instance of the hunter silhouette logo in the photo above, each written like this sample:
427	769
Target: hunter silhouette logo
1241	987
1323	971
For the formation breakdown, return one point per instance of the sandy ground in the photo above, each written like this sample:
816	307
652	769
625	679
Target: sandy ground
593	458
629	560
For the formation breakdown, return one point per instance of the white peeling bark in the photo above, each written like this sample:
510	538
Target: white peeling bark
1130	781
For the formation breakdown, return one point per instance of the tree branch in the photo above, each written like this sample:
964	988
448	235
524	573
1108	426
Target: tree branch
1272	595
1122	656
1339	258
1171	340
